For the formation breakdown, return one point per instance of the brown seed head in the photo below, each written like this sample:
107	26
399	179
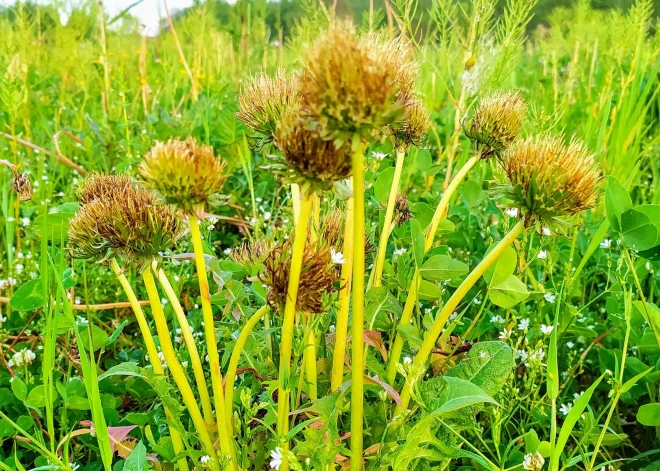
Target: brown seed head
550	182
496	123
22	186
401	210
317	278
252	253
184	173
264	100
348	85
410	131
103	186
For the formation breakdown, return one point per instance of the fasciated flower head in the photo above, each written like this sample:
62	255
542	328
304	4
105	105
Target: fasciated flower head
310	160
414	125
318	277
496	123
264	100
550	182
348	85
103	186
129	224
22	186
184	174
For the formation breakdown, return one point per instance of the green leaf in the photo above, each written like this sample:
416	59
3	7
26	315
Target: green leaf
410	334
37	397
487	364
379	305
123	369
417	242
504	267
29	296
633	381
508	293
137	460
649	415
19	388
53	226
442	268
115	335
99	338
638	230
383	185
617	201
472	193
444	394
429	291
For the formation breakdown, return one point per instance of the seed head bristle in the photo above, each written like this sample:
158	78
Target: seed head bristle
264	100
103	186
550	182
348	85
318	277
496	123
252	253
184	173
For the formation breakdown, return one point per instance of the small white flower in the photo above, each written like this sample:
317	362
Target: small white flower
204	460
74	466
581	339
337	257
505	334
546	231
542	255
25	222
399	252
521	355
512	212
161	357
549	297
523	324
19	268
497	319
476	301
378	155
3	319
578	395
606	244
566	408
570	344
267	215
23	358
533	462
276	458
547	329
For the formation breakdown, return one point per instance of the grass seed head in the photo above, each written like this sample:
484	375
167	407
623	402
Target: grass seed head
349	85
318	277
550	182
410	131
184	173
496	123
129	224
22	186
264	100
310	160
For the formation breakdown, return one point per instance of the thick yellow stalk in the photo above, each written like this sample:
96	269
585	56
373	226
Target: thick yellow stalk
309	360
226	444
150	345
436	329
357	323
387	224
235	357
411	300
295	201
172	362
188	338
288	321
341	329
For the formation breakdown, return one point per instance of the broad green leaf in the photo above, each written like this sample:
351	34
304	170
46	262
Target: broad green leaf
53	226
379	306
445	226
383	185
19	388
410	334
137	460
37	397
472	193
99	338
123	369
638	230
504	267
649	415
633	381
444	394
617	201
442	268
429	291
417	242
508	293
29	296
487	364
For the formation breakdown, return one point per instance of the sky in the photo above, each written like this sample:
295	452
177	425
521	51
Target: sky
147	11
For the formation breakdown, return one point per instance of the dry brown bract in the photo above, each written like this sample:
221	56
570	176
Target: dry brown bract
22	186
253	252
410	131
184	173
103	186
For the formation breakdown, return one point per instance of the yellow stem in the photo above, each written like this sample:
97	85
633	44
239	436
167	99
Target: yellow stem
309	360
341	329
387	225
235	357
288	321
226	445
189	340
357	324
411	300
436	329
295	201
150	345
178	375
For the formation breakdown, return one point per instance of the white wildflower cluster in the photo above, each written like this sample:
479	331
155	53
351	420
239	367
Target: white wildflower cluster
7	283
23	358
533	462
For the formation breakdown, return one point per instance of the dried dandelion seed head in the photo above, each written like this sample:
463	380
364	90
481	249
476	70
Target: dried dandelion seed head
252	253
410	131
318	277
264	100
22	186
401	210
184	173
103	186
348	85
128	224
496	123
550	182
310	160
